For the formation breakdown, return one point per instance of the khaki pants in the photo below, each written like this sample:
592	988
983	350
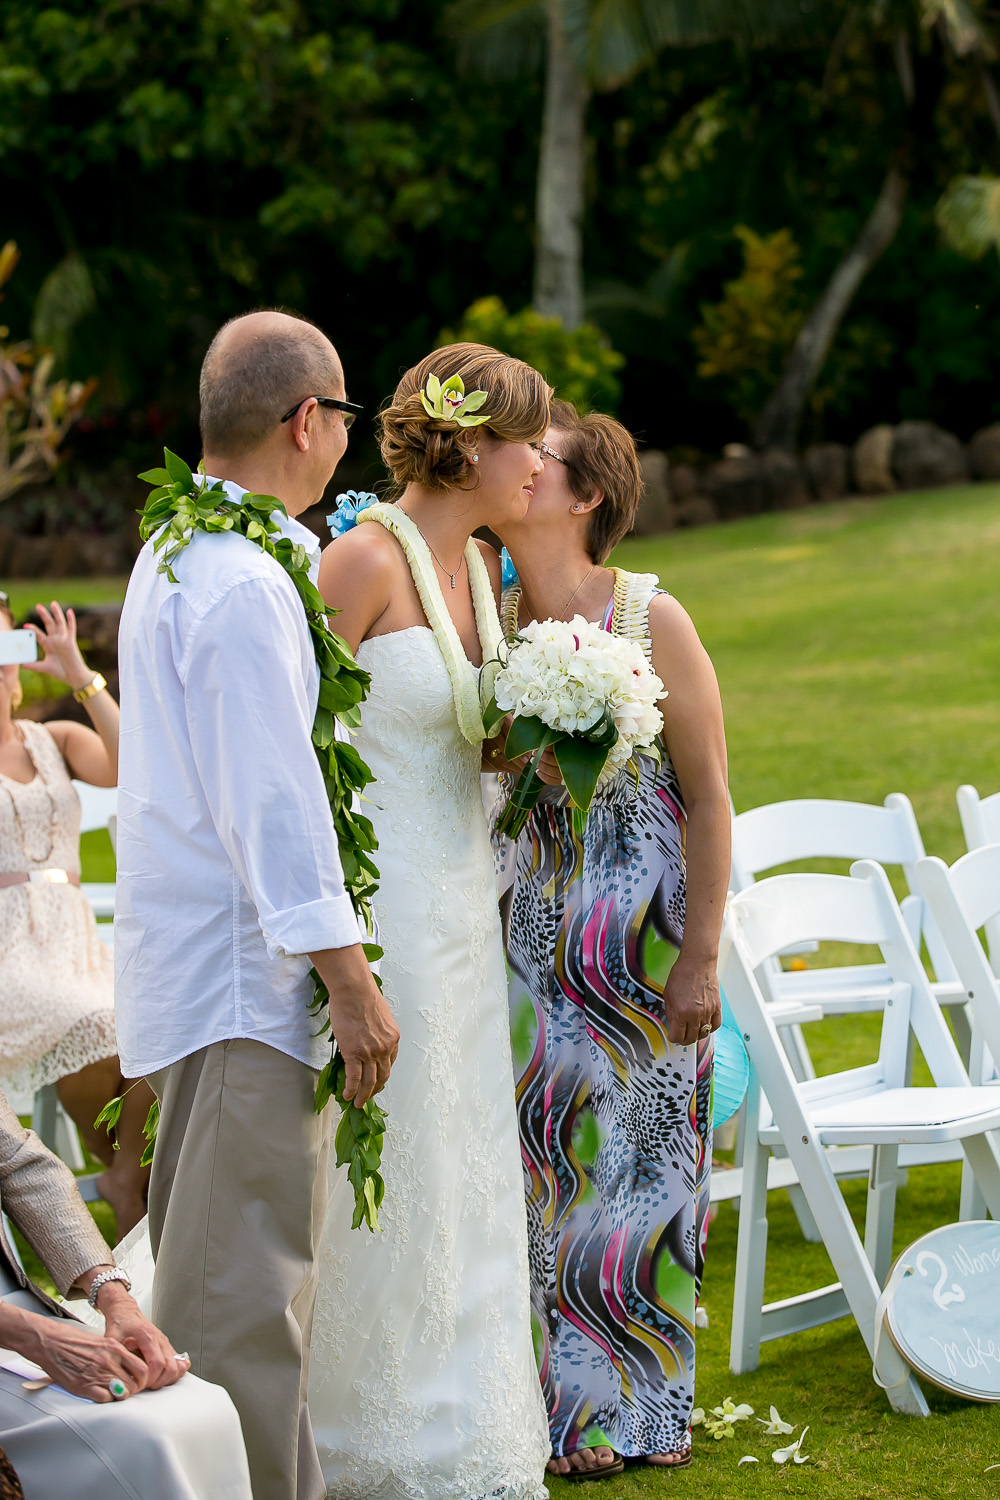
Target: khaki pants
237	1202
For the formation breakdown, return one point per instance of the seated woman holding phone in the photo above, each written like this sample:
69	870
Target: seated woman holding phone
57	1022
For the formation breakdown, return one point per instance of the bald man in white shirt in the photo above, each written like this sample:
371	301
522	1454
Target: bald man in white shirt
230	889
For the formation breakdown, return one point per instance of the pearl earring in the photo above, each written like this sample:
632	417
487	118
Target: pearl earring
474	459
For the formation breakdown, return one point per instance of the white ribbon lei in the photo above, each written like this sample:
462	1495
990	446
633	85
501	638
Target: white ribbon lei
464	676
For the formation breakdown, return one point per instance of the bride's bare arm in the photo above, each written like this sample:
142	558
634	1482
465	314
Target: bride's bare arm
355	578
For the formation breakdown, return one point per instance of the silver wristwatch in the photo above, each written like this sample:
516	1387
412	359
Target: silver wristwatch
102	1279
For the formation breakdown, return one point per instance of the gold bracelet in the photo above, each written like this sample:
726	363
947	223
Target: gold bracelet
96	685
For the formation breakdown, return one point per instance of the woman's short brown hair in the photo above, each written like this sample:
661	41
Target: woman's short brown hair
600	454
417	449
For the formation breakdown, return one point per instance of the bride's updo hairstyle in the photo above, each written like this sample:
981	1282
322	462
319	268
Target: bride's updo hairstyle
420	449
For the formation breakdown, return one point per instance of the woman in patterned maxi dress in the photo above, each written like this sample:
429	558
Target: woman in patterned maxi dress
614	1068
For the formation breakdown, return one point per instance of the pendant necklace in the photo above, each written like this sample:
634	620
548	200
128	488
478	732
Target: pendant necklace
451	576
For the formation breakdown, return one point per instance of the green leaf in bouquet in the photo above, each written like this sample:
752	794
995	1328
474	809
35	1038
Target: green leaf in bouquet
528	787
493	718
527	733
156	476
581	763
604	732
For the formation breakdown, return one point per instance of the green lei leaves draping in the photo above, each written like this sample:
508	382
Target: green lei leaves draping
179	506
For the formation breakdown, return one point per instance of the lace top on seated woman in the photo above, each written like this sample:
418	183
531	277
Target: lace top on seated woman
57	1022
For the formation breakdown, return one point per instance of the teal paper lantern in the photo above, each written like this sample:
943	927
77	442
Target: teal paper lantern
732	1069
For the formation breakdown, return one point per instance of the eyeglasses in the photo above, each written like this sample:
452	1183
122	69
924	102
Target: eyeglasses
548	452
349	408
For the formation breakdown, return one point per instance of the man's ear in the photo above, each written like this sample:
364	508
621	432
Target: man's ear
300	426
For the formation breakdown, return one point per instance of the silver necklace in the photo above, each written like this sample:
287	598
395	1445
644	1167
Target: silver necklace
461	560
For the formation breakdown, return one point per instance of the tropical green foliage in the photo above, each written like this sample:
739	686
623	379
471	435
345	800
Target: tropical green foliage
36	411
169	166
581	365
744	338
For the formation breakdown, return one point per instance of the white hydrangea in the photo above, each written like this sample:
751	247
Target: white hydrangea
570	673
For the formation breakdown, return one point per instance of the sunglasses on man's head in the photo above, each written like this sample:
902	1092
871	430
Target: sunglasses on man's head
349	408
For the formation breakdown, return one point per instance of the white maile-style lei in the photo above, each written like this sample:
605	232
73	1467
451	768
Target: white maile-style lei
464	676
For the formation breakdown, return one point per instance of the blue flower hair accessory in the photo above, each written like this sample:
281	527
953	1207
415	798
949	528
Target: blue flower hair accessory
509	572
349	507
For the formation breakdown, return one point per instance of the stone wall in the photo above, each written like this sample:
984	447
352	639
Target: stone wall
909	456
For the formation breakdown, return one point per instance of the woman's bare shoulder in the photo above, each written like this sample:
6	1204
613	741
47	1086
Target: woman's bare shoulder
670	624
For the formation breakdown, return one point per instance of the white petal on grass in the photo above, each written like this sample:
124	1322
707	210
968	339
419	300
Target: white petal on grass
748	1458
776	1427
793	1451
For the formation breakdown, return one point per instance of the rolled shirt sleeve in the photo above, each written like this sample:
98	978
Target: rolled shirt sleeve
250	708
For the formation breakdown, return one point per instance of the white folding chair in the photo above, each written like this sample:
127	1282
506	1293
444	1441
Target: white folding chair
980	817
981	825
966	900
99	809
869	1106
783	833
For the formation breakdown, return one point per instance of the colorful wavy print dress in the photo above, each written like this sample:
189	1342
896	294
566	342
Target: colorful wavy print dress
615	1121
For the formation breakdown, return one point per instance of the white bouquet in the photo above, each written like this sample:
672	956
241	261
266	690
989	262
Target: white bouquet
588	695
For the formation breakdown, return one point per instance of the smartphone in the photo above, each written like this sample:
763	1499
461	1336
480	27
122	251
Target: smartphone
17	647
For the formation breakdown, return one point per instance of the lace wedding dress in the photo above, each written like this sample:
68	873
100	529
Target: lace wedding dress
423	1383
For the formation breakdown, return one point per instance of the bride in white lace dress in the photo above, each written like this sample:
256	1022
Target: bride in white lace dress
423	1383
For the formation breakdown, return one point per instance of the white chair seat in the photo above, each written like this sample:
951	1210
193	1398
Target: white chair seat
853	990
902	1115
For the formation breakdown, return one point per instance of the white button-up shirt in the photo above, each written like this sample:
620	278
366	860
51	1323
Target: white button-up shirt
228	866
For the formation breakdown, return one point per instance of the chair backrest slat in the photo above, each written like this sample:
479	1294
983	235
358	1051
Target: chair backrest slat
980	817
98	805
782	833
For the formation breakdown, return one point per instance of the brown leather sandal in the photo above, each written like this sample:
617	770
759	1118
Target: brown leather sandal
599	1471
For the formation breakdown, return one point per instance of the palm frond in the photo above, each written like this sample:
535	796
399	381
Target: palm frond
500	39
963	26
65	296
968	215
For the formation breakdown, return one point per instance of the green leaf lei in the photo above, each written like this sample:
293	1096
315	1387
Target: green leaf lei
179	506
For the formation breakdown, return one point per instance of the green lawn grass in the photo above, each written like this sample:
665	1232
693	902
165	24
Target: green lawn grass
858	650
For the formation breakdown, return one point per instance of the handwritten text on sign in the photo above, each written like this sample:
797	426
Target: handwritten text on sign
945	1316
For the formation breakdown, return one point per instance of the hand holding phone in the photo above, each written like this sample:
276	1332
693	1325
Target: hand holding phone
18	647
